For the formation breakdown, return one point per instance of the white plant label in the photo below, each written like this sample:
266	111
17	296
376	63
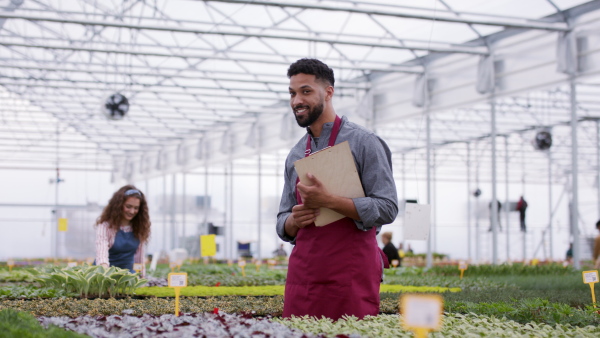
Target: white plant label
177	280
10	262
72	264
462	265
242	263
137	267
422	311
590	276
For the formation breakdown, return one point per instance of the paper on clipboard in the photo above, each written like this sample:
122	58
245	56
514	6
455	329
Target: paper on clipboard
335	168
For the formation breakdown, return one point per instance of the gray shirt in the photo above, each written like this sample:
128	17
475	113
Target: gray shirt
373	161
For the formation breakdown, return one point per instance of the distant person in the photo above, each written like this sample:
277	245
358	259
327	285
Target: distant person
570	253
410	250
280	252
596	255
491	222
123	230
521	207
389	249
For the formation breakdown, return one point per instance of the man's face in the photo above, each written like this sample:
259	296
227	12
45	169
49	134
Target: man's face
307	98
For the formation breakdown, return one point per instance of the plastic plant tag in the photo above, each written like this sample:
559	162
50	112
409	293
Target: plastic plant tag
241	263
137	267
421	313
177	279
395	262
590	276
71	264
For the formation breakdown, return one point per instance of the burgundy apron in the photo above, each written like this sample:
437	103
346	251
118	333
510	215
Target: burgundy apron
334	270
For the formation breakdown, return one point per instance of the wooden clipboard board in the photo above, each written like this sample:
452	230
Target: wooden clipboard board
335	168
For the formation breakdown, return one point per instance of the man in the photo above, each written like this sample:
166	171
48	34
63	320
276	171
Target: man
336	269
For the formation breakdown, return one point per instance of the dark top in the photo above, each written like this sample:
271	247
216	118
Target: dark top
391	252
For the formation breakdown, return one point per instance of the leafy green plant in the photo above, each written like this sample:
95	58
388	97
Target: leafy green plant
91	280
21	324
30	291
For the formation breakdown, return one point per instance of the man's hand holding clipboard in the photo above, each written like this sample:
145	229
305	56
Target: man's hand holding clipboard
328	181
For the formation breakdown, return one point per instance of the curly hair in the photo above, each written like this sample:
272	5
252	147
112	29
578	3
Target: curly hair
312	67
113	213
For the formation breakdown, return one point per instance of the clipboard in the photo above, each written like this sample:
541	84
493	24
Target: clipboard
335	168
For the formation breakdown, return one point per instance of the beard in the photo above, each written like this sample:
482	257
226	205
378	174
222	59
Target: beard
310	117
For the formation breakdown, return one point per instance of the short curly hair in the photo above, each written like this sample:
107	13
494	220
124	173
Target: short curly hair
312	67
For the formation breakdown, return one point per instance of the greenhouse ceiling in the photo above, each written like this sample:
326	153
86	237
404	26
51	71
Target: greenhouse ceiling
205	80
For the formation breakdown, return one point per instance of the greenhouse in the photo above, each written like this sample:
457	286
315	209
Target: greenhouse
489	110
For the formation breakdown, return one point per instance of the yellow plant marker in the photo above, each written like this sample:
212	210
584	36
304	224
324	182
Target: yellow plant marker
208	245
258	264
462	266
242	264
534	262
71	264
421	313
89	260
10	264
177	280
172	265
229	262
138	267
591	278
395	262
63	224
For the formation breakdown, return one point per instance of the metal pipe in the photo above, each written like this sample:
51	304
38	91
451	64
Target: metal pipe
469	211
488	21
429	199
494	205
422	47
507	200
174	232
550	213
574	176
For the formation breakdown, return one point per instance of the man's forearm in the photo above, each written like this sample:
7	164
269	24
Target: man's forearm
290	229
344	206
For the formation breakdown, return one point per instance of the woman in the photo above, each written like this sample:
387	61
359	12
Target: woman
123	229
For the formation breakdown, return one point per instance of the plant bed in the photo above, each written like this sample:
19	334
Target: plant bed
273	290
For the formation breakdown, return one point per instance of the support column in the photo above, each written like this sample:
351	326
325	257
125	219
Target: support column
183	208
164	211
259	209
550	213
174	232
507	201
429	238
477	230
494	208
574	176
469	191
598	163
232	245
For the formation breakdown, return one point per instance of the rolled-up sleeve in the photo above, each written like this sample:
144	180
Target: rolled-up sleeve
380	206
102	243
288	201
